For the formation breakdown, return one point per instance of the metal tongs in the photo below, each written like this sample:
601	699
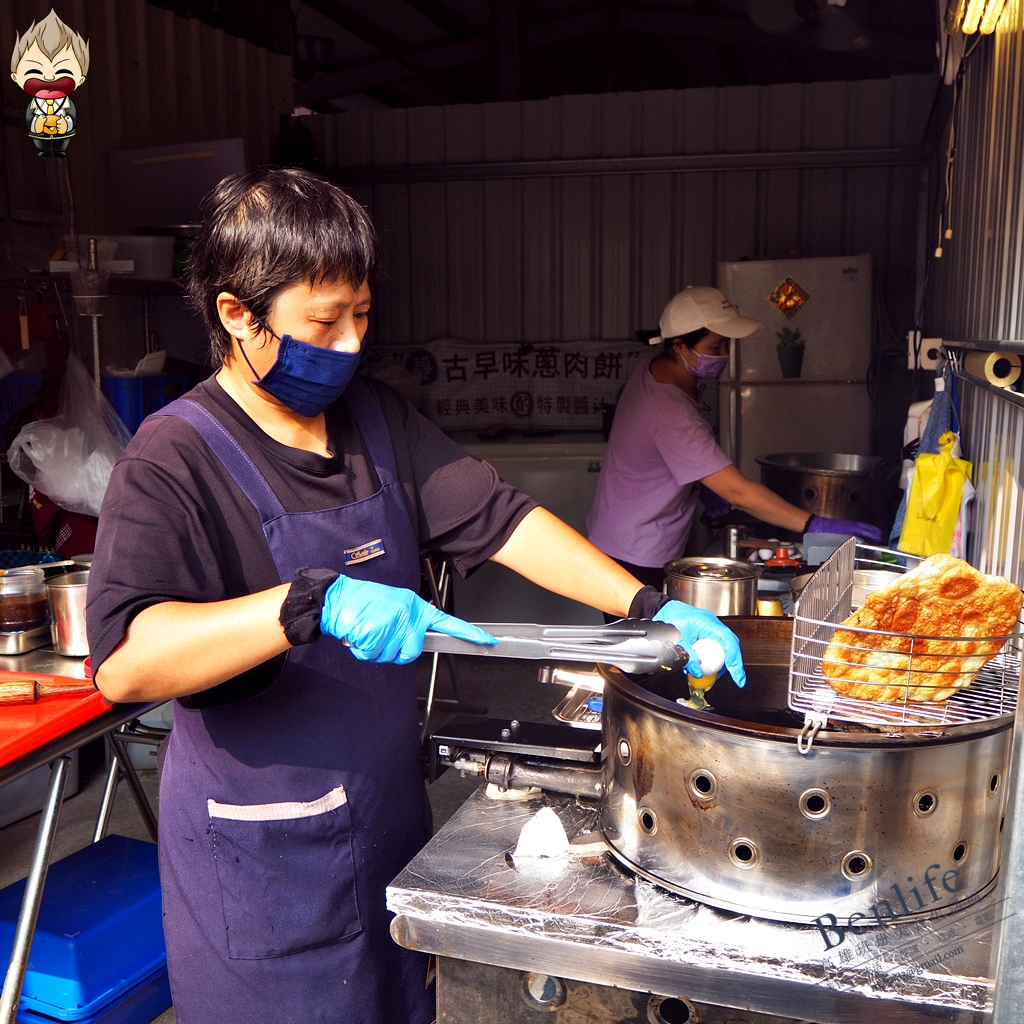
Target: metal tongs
637	646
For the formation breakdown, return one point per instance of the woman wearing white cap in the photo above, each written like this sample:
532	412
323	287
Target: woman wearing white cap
661	448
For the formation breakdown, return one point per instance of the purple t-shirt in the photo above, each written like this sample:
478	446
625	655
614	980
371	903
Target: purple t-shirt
660	447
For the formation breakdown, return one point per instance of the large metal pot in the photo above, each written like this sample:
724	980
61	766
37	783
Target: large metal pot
825	484
721	807
720	585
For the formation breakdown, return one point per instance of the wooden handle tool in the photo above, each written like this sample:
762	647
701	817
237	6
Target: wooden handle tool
28	691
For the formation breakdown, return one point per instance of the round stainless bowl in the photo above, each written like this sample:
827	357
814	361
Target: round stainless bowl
726	811
833	485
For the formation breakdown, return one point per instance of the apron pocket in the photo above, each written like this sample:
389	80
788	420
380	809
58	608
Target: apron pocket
286	874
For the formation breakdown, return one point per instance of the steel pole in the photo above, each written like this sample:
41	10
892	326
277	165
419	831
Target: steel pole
134	784
109	792
33	892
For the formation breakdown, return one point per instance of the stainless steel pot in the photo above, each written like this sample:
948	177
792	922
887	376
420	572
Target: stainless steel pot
67	597
721	807
820	482
721	585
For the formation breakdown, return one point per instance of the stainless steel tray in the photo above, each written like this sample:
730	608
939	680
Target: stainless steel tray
581	708
24	641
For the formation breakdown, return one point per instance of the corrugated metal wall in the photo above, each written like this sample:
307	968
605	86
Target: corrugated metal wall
977	291
154	79
578	217
993	431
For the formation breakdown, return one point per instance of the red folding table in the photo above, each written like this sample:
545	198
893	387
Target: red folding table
47	732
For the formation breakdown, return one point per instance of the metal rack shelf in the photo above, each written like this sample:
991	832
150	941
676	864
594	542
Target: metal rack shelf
915	665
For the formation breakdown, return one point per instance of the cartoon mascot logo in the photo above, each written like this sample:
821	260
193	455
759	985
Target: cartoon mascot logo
49	62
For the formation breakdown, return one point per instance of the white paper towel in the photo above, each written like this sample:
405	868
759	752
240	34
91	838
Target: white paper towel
542	836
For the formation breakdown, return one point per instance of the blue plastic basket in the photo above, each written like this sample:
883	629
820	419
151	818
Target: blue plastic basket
99	935
16	559
135	398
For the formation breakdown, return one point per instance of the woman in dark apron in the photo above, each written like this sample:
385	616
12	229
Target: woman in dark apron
257	559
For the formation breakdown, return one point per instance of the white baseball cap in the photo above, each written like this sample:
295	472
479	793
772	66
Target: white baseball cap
700	306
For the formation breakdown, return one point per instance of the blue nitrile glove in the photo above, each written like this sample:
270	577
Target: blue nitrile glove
865	531
694	623
381	623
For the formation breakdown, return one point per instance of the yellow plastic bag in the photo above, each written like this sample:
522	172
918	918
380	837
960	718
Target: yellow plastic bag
934	501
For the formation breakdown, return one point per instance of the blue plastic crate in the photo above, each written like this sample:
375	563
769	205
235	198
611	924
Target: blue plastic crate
99	934
135	398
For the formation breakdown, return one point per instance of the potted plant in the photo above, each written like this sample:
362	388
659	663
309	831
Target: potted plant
791	351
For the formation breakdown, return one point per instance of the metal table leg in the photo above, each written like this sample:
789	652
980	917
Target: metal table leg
141	800
33	891
109	792
440	584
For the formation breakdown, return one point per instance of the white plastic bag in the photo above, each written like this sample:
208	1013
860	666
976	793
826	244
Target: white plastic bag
69	458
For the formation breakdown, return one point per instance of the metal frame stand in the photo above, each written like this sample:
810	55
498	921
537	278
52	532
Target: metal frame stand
33	898
121	764
440	592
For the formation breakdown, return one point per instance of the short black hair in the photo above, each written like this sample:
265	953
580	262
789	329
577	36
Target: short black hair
265	230
689	340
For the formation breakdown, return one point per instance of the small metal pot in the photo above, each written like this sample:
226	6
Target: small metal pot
720	585
867	581
67	595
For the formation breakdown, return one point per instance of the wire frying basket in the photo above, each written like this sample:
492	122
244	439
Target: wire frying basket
914	670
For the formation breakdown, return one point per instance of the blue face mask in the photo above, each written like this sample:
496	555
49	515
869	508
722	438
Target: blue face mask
305	377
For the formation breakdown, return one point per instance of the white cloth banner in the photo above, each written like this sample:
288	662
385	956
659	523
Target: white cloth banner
467	385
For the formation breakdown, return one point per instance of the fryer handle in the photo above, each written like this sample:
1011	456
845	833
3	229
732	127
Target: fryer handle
637	646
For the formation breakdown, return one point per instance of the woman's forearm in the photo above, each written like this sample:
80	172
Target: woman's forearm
553	555
756	499
174	648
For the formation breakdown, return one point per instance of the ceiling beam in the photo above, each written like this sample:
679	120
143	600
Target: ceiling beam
376	73
721	30
693	163
731	31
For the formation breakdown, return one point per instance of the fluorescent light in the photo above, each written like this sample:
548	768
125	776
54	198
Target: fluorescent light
992	13
972	16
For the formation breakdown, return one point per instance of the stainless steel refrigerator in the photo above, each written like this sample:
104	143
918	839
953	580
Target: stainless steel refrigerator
826	408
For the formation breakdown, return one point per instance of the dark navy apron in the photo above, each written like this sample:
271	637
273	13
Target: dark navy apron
284	816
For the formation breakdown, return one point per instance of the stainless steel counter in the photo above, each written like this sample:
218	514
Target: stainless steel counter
586	918
44	661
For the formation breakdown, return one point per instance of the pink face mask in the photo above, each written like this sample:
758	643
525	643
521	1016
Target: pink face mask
708	367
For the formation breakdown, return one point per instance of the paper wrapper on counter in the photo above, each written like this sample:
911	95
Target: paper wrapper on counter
999	368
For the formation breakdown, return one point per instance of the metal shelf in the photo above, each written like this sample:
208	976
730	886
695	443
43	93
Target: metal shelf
808	381
986	346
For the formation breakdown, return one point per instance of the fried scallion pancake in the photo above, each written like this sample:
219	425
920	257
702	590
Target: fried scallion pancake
940	599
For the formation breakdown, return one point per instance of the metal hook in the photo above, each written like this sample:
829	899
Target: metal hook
814	722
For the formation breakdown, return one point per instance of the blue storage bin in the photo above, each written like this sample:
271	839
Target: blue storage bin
135	398
139	1005
16	389
99	936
